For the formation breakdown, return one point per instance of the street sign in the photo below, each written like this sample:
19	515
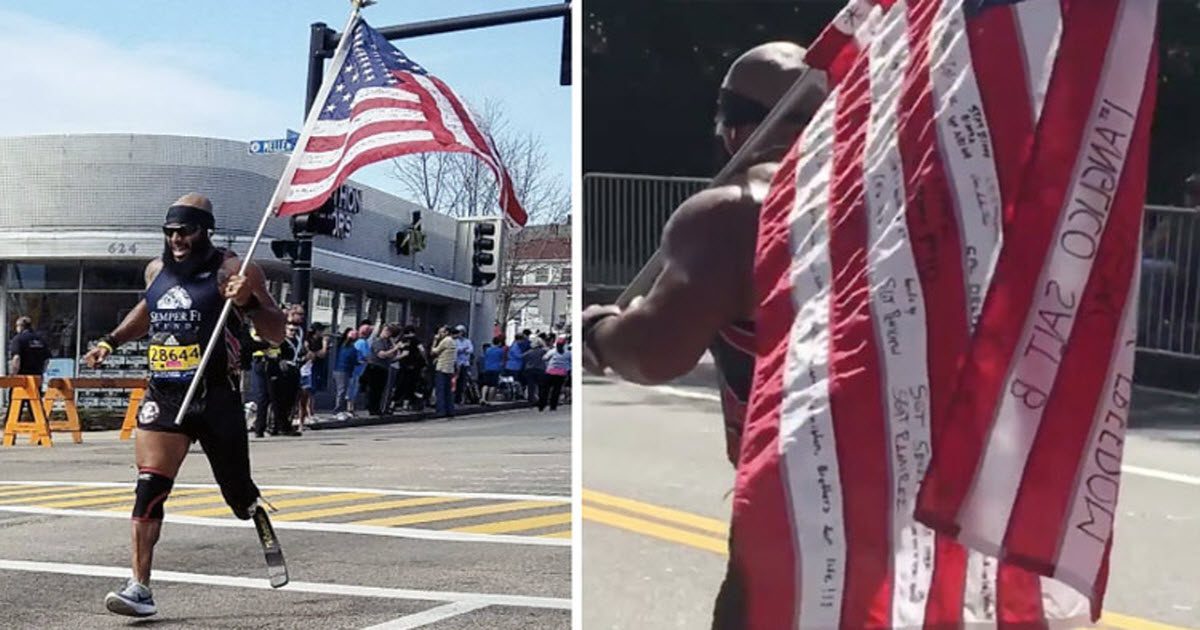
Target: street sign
278	145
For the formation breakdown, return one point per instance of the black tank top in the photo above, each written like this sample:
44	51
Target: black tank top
733	355
183	314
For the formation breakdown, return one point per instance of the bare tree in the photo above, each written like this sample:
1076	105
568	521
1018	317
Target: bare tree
461	185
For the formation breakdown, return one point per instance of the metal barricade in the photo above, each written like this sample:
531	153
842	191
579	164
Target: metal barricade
1168	313
623	217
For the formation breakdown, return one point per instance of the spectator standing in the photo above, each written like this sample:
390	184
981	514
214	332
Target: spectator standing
514	363
409	392
363	347
558	369
343	367
382	352
493	363
535	369
445	356
465	350
29	351
316	348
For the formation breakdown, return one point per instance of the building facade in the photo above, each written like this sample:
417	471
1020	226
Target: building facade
80	218
539	279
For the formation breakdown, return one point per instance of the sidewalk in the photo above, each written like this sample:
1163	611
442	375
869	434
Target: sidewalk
328	420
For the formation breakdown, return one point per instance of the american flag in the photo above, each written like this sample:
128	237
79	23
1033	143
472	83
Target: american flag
380	104
946	299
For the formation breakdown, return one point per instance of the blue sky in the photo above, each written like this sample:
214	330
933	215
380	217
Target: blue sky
236	69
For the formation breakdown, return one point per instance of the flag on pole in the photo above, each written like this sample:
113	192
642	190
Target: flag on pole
876	253
380	104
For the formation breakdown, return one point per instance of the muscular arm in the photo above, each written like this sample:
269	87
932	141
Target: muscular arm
268	320
137	322
706	283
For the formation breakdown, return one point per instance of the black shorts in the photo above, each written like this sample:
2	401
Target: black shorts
490	378
213	406
216	420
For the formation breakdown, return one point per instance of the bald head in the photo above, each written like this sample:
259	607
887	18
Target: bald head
759	79
195	200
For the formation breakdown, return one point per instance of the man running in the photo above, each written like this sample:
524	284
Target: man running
705	293
185	291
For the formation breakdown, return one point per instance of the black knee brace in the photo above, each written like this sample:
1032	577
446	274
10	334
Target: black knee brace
151	493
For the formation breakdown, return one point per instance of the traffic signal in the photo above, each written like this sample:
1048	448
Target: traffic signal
284	250
483	257
320	221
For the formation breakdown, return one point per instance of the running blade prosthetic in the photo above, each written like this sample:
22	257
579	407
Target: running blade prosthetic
276	567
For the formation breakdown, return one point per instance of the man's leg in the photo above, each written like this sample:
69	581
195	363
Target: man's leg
228	453
556	386
262	396
158	455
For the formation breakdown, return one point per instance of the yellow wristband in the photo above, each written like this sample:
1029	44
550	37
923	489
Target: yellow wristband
104	344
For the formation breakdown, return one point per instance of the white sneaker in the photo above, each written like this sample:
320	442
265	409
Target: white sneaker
135	600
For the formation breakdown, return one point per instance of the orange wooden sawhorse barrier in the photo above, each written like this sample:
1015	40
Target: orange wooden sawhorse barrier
27	389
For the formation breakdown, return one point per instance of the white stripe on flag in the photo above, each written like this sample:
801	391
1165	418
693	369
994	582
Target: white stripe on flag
1090	522
302	192
808	452
450	119
399	94
986	511
1039	25
966	149
979	596
330	128
898	312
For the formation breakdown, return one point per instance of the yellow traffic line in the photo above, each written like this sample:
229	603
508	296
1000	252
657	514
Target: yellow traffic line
22	489
211	497
672	534
358	508
126	499
517	525
657	530
317	500
447	515
1126	622
562	534
52	494
702	523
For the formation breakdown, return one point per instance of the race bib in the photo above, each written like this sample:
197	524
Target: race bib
174	358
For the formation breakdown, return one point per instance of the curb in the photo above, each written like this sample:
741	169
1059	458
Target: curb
368	421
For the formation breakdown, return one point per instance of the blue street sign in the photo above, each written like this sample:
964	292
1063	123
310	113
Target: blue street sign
278	145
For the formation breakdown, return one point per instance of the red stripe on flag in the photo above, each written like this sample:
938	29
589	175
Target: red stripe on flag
855	387
761	509
937	251
429	105
1018	599
833	52
310	175
996	54
290	208
960	443
1052	470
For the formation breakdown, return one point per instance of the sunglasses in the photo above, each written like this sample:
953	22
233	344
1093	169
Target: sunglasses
185	230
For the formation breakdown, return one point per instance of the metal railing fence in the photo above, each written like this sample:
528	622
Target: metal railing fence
623	218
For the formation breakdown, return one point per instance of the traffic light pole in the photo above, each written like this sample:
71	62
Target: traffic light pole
301	287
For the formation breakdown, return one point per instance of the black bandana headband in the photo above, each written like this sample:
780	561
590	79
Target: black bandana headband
180	215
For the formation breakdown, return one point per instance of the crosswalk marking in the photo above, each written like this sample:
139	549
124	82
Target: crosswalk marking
562	534
51	494
125	499
446	515
518	525
357	508
210	496
657	530
317	500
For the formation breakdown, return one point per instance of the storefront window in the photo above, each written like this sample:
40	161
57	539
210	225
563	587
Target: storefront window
348	311
114	277
373	309
322	310
101	314
54	316
395	312
45	277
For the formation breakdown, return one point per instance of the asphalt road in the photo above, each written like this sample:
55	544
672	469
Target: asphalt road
656	501
440	524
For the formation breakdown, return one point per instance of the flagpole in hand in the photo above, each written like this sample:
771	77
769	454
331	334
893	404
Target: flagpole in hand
753	148
276	200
